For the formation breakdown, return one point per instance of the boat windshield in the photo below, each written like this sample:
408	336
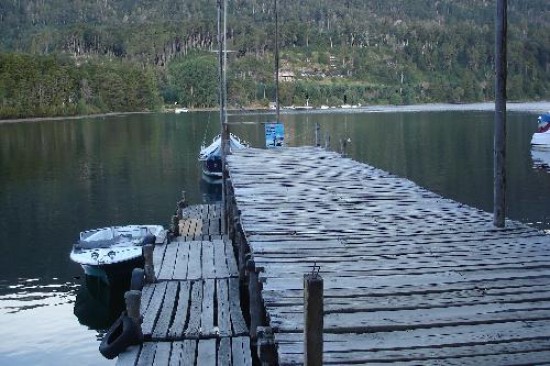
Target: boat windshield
543	123
106	237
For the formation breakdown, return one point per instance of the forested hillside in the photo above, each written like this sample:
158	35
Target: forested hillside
67	57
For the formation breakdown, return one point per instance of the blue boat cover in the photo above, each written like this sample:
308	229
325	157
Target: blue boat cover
543	123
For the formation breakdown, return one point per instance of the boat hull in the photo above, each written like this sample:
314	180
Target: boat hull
113	271
541	139
116	250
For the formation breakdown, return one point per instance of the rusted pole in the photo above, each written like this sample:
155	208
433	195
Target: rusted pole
499	211
313	319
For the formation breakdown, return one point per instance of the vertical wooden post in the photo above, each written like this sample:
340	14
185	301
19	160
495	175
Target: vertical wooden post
175	227
327	141
242	253
277	108
317	134
132	299
499	211
224	138
182	203
138	279
266	346
149	267
313	319
254	298
343	147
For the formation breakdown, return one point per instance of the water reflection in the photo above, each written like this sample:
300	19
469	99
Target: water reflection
33	293
58	178
211	189
98	303
541	158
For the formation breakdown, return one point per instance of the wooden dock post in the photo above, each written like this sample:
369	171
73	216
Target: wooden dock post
132	298
175	226
241	248
254	298
182	204
327	141
317	134
313	319
499	210
149	267
266	347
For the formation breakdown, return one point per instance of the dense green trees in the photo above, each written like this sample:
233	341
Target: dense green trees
195	80
50	86
122	54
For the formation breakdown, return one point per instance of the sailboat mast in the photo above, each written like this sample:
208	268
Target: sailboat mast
223	118
276	62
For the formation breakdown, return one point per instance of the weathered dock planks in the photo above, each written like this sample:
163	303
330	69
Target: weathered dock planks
410	277
200	222
203	308
191	260
192	314
214	351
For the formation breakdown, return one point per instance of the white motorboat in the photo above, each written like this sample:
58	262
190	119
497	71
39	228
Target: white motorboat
210	156
542	136
541	157
111	250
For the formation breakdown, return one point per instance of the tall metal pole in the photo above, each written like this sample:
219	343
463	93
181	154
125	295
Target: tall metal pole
225	130
499	212
277	62
222	108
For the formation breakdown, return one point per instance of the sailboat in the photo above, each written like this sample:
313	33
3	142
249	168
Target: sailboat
211	156
542	136
275	131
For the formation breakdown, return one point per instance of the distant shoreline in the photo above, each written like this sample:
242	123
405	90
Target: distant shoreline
61	118
534	107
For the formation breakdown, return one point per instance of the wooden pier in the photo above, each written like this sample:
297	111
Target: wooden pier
409	276
192	312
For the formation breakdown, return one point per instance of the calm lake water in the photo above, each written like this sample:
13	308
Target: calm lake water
58	178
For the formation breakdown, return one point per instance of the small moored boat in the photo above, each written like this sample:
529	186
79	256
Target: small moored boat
210	156
542	136
111	250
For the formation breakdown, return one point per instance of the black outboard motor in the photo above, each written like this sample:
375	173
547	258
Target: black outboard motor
214	164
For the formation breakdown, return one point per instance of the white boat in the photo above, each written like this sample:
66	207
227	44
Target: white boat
181	110
112	250
542	136
541	157
210	156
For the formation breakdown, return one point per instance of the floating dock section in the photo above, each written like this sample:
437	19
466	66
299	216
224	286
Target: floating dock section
409	277
192	312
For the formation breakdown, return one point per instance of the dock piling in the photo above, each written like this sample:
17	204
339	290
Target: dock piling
132	299
313	319
266	346
317	134
149	267
254	298
175	226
